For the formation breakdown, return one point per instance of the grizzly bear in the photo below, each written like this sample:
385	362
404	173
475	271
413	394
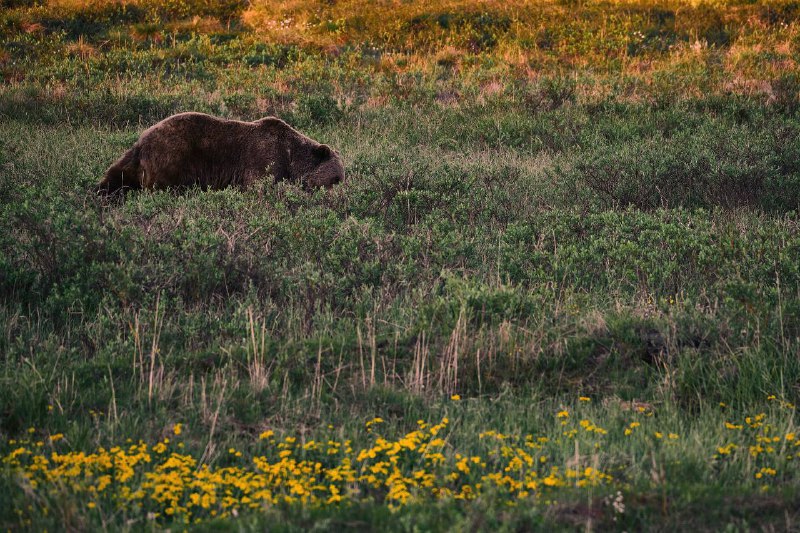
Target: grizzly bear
197	149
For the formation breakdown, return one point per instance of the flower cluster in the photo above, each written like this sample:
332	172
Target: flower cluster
163	483
759	442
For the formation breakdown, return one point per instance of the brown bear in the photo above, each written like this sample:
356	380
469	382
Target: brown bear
198	149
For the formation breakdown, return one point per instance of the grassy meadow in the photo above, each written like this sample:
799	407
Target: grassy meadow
559	289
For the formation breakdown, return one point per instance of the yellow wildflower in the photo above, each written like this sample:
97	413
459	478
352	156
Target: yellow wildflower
727	449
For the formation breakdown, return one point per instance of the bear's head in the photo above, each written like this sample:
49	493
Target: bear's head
320	166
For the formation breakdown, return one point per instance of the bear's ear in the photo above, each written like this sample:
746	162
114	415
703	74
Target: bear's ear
322	152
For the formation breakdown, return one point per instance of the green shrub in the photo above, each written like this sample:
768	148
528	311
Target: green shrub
725	166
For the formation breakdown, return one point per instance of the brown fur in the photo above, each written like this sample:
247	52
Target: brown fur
197	149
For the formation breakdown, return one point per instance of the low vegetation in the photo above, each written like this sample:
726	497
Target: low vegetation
560	287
